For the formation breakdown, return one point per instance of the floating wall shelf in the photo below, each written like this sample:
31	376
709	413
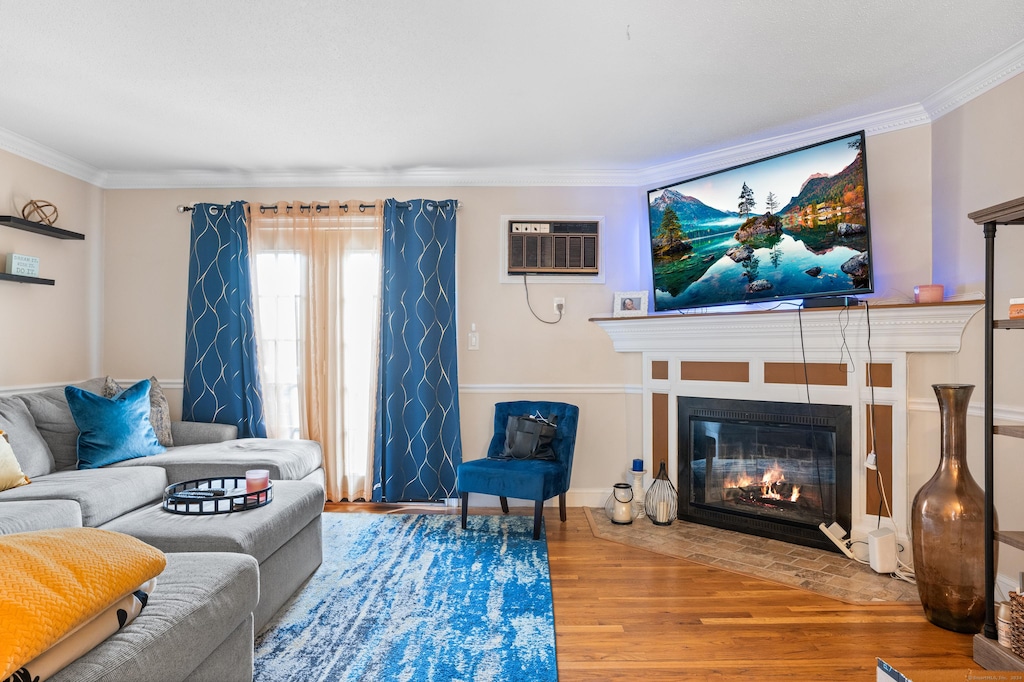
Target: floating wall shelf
37	228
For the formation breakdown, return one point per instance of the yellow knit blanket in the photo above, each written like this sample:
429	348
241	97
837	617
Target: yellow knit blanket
55	580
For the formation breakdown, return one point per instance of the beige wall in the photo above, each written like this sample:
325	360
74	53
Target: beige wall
51	333
145	285
976	163
119	303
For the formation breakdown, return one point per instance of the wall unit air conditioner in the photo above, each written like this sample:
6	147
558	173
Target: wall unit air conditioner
553	247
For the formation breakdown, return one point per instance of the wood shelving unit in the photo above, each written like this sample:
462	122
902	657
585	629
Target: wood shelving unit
987	651
36	228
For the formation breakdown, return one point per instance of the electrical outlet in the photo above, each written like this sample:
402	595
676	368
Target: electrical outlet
559	304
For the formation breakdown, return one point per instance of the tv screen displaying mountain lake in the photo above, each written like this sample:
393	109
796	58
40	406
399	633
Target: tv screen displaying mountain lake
704	254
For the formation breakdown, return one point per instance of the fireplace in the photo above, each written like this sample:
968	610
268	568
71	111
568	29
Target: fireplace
772	469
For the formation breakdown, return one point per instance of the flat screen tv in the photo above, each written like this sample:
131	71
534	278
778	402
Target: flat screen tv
790	226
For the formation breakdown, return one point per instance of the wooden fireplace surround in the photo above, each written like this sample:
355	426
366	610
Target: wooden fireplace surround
759	356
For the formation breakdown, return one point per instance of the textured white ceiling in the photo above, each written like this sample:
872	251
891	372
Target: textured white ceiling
257	87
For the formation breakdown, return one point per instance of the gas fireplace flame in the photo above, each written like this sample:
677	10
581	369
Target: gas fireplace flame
772	484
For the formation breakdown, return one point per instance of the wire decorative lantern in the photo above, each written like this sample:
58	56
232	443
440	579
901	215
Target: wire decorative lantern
661	501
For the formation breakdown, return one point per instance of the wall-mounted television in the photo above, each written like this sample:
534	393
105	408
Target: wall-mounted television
793	225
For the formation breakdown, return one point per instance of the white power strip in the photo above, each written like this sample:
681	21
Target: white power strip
837	534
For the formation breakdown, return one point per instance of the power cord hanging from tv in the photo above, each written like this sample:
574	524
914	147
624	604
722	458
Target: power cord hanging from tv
527	290
903	570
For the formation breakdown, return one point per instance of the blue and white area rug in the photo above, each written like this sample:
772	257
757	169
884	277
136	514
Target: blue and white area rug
415	597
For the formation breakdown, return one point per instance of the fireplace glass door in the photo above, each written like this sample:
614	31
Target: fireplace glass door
772	469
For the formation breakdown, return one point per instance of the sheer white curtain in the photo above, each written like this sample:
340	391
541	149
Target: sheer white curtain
316	280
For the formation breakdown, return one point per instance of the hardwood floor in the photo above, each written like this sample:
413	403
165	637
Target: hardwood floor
628	614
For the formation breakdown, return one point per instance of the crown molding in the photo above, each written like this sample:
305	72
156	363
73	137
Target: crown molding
993	72
700	164
871	124
418	177
51	158
1001	68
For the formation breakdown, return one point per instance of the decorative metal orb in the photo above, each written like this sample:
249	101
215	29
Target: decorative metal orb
39	211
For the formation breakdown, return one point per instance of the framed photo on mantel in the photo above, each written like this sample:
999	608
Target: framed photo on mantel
629	304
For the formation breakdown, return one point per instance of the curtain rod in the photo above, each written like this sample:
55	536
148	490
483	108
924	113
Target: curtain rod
183	208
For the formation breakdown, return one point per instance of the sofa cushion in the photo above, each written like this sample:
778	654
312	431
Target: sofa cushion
29	447
56	580
200	600
53	419
257	532
87	636
286	460
11	475
112	429
22	517
196	433
102	494
159	410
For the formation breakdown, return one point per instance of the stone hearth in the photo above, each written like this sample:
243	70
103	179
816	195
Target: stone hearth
826	573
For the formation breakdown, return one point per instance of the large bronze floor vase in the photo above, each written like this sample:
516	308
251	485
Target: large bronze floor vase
948	522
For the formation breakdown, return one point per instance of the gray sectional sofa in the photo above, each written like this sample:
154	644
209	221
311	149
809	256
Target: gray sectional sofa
226	574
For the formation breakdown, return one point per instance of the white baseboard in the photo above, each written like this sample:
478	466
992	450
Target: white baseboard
573	498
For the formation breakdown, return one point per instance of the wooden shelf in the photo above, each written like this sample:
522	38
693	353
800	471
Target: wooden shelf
1007	213
991	655
1013	538
987	651
39	228
26	280
1011	430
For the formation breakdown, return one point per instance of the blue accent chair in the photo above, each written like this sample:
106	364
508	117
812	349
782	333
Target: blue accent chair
529	479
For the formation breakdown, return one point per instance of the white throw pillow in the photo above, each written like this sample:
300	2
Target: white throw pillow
11	475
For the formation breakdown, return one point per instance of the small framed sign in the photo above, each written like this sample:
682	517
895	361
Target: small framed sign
26	266
630	304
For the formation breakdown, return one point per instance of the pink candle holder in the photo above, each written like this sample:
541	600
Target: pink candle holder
257	480
928	293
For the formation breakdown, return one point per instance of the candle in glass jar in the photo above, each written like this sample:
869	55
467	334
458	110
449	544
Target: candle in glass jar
256	480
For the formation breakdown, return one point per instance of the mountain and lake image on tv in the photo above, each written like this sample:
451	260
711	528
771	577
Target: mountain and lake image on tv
794	225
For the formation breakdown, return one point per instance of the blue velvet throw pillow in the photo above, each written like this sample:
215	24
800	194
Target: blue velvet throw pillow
112	429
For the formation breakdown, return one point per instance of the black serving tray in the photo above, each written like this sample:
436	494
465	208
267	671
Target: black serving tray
216	495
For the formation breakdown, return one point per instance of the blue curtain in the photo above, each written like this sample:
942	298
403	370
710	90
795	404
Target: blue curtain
418	443
222	381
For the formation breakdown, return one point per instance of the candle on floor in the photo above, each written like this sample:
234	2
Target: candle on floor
662	512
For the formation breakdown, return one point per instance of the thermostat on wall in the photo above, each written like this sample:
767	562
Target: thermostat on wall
27	266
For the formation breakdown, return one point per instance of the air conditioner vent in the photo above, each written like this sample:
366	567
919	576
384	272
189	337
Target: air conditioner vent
553	247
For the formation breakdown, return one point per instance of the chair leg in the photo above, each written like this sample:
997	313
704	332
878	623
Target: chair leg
561	507
538	511
504	504
465	508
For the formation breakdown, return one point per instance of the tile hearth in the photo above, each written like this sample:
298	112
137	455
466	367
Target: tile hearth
826	573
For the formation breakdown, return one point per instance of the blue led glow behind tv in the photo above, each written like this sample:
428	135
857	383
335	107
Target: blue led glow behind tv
794	225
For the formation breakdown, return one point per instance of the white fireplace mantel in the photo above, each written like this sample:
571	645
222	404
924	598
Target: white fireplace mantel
762	340
925	328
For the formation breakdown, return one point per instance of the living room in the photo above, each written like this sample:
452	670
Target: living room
118	305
